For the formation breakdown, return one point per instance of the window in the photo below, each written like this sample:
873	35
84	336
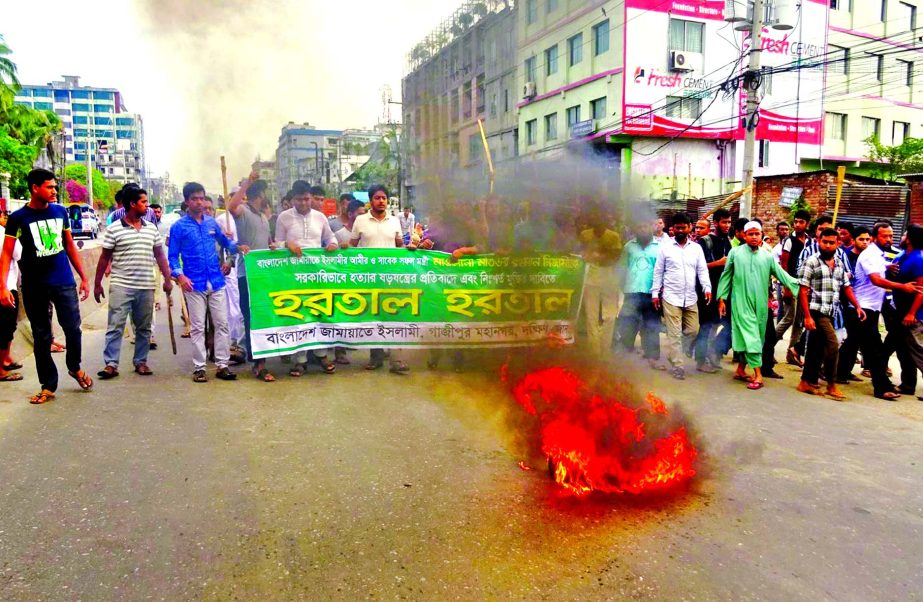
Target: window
79	106
531	126
900	131
551	6
81	119
466	100
80	158
80	133
531	11
506	100
63	112
43	106
908	15
679	107
551	126
573	116
103	96
601	38
81	94
102	108
871	128
492	105
103	120
62	96
453	106
123	135
764	153
551	60
475	148
598	108
686	35
835	126
124	121
41	93
877	65
906	68
481	95
575	49
25	92
839	60
530	69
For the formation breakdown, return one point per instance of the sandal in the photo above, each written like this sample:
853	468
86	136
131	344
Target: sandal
744	378
297	370
399	367
225	374
755	385
143	370
342	360
43	397
887	395
328	366
11	377
264	375
13	366
374	365
83	379
199	376
57	347
107	373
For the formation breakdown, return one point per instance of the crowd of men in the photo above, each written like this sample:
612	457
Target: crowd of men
726	288
713	287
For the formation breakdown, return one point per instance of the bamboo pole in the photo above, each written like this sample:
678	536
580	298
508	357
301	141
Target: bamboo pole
840	176
490	161
729	199
224	178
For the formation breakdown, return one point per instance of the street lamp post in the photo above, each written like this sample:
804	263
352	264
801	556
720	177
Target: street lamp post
316	156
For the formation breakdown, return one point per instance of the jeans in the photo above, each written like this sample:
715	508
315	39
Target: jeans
823	348
682	325
893	344
638	315
791	317
36	300
215	302
139	304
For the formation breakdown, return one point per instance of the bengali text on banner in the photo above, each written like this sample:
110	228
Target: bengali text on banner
399	298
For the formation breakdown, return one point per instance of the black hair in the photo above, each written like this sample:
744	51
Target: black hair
354	205
378	188
782	223
131	194
347	197
37	177
740	223
878	226
257	189
845	226
829	232
300	187
858	231
821	220
915	236
803	214
721	214
680	218
318	191
155	206
190	188
757	220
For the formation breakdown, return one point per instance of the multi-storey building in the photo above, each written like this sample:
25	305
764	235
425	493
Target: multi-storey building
874	82
303	153
267	172
96	123
446	92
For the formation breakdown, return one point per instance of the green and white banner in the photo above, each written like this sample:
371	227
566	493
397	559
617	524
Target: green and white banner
400	298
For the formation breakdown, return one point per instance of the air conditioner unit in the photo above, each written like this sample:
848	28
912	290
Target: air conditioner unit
681	61
528	90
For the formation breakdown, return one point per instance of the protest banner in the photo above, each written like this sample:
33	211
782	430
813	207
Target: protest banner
395	298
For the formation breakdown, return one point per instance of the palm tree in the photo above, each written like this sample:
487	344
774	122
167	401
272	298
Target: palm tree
9	83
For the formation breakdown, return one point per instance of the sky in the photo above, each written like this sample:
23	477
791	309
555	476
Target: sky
221	77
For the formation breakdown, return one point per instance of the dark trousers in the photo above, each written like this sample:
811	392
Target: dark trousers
36	300
638	315
873	352
849	350
895	343
769	346
245	311
822	350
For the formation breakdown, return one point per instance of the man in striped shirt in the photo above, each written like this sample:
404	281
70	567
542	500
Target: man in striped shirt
132	244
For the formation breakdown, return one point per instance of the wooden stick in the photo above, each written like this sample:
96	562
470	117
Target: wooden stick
490	161
730	199
224	178
840	176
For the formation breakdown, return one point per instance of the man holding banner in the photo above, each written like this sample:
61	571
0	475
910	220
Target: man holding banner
302	227
379	230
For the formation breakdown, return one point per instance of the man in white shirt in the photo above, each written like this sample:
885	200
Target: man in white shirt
680	265
408	222
9	315
302	227
660	235
378	230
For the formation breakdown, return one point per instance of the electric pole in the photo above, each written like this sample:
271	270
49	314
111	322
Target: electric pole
752	80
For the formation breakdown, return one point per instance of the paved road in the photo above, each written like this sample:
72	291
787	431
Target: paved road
364	485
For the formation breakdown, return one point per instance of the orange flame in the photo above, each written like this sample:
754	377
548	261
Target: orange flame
598	444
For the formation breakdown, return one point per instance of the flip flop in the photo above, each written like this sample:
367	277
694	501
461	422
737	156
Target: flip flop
83	379
43	397
13	366
747	378
11	377
754	385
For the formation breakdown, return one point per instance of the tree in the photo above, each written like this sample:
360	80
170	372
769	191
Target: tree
102	192
9	83
16	159
906	157
384	165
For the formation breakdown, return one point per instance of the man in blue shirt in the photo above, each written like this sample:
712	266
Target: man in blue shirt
48	251
195	266
636	268
910	306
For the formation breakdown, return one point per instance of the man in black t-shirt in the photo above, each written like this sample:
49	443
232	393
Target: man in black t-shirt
48	251
709	348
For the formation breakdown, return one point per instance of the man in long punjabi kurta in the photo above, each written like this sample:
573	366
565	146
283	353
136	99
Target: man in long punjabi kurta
747	273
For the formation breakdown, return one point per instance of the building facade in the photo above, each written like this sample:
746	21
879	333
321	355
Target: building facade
304	153
96	126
